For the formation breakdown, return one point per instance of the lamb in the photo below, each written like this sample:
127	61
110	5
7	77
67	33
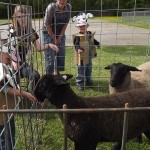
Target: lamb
121	79
87	129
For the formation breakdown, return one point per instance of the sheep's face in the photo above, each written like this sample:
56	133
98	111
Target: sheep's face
48	83
118	73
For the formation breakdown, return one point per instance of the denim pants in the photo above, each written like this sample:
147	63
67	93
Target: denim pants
54	61
11	135
28	72
84	74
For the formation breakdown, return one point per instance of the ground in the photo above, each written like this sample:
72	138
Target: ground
107	33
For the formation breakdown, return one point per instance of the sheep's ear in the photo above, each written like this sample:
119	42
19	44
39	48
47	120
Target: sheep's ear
62	79
131	68
67	76
108	67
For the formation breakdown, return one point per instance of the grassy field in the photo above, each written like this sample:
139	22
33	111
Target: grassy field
136	23
51	133
51	128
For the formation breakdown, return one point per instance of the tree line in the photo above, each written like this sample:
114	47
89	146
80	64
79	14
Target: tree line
100	7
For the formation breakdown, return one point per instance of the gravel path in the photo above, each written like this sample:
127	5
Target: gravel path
107	33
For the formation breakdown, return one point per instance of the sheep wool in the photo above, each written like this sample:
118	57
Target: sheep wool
87	129
124	77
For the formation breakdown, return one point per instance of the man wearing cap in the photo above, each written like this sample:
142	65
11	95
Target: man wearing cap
85	50
8	93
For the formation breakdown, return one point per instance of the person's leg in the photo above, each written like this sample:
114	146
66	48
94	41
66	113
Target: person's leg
88	75
81	77
61	55
2	138
49	53
12	134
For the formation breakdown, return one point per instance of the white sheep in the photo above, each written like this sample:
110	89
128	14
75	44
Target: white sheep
124	77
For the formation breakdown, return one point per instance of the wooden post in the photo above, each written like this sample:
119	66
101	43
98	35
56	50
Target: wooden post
125	128
65	127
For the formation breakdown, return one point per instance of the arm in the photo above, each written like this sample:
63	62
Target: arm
77	45
58	40
69	8
97	43
40	47
50	32
48	19
12	91
8	89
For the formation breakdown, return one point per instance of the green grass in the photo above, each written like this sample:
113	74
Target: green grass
51	133
51	128
140	24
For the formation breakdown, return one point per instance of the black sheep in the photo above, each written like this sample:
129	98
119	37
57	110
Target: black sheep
87	129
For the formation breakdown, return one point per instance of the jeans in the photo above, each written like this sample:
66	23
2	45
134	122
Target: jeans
28	72
84	74
54	61
11	135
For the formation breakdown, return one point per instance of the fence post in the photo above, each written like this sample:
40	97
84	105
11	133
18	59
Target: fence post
65	127
6	131
125	128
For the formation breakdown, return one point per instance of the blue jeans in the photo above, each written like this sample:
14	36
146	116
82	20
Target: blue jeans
84	74
53	60
28	72
11	135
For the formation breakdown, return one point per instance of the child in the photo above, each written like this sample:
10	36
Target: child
8	93
26	37
85	50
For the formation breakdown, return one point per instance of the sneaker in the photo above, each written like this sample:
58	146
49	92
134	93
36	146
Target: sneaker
89	85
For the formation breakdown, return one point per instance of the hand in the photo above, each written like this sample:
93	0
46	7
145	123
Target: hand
54	47
28	96
80	51
58	41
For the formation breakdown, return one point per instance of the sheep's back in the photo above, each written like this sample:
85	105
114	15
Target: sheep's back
141	79
109	125
144	66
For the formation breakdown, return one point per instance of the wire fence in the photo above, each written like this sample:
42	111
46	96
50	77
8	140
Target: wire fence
136	16
119	43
